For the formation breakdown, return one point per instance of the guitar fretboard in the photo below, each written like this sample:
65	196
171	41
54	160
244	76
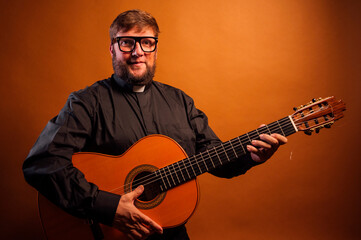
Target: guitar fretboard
189	168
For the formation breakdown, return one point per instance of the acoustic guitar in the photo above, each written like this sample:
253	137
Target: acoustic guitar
168	174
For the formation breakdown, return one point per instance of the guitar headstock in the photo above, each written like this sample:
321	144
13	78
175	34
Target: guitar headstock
317	114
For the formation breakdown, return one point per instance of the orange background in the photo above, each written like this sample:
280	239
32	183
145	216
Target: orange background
244	63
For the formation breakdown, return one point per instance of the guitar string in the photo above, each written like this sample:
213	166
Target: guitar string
228	146
171	172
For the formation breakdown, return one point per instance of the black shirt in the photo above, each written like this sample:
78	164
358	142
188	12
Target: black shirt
108	117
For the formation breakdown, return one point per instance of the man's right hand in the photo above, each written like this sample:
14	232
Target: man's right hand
131	221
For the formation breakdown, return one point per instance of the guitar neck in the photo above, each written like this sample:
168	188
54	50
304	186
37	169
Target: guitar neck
189	168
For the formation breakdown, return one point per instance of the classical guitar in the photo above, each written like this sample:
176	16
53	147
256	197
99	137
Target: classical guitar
168	174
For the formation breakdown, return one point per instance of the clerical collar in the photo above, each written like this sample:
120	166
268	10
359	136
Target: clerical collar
138	88
128	86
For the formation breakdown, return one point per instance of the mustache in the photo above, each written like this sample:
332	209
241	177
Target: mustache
136	60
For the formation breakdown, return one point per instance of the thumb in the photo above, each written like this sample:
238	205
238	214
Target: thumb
137	192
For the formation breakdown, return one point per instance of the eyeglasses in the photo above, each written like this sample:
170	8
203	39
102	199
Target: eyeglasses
127	43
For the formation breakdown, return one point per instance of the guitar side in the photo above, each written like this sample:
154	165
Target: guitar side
111	173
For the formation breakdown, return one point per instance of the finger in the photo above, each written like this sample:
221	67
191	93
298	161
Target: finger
261	144
138	231
130	236
270	140
252	149
150	224
281	139
261	152
142	231
134	235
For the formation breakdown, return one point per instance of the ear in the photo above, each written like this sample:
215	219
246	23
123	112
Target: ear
155	54
111	48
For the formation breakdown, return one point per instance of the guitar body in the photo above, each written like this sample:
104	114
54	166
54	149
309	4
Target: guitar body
117	174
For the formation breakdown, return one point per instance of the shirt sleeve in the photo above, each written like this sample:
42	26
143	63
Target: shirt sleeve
206	138
49	167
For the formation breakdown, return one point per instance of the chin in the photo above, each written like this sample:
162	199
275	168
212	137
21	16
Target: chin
138	73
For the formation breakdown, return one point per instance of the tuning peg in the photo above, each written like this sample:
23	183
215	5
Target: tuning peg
314	100
328	126
308	132
317	130
295	109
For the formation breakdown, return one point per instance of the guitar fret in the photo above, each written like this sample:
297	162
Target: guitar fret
161	188
205	164
215	150
180	170
192	167
249	138
241	145
165	176
175	172
208	160
225	154
268	129
254	134
230	142
281	128
195	158
171	175
186	169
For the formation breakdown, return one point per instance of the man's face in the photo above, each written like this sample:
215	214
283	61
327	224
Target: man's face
136	67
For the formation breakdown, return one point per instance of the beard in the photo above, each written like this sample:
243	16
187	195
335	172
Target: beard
122	71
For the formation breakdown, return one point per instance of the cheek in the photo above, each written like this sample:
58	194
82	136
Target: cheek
151	58
120	56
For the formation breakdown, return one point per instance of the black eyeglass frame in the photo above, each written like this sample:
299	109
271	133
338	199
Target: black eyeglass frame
136	39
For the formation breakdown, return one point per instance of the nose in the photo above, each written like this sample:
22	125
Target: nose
137	51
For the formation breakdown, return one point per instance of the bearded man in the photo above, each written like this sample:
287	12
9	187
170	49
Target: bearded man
109	117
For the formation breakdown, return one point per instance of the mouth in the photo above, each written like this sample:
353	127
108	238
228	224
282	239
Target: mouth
136	64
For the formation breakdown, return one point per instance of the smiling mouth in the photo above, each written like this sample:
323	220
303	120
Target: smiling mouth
137	65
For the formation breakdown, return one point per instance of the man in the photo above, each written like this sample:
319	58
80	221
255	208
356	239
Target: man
111	115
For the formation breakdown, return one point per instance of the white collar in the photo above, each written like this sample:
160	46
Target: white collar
138	88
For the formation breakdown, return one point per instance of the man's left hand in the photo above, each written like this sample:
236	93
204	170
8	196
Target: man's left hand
261	150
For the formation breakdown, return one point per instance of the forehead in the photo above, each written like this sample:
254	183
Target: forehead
137	31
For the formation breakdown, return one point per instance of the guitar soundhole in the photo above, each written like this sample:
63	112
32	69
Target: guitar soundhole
145	175
151	187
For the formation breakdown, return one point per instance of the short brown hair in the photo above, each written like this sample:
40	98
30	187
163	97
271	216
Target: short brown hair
130	19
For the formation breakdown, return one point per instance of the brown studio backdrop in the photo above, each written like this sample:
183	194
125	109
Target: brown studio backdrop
244	63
